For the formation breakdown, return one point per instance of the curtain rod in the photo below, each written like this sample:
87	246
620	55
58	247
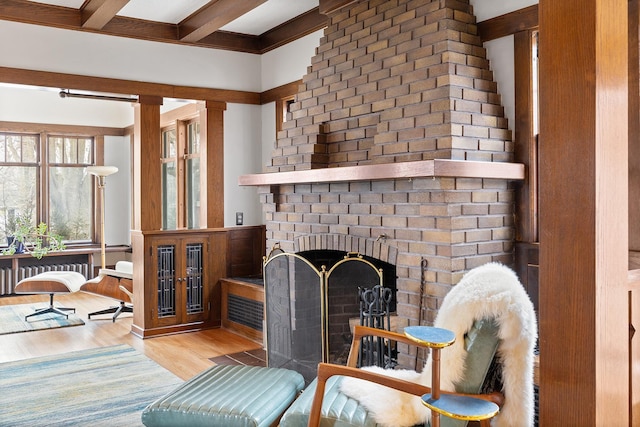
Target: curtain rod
65	93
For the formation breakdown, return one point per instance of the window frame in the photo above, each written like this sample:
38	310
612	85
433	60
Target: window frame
43	165
179	120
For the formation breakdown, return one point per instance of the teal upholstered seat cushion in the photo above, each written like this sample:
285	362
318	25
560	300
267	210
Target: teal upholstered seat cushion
338	410
227	396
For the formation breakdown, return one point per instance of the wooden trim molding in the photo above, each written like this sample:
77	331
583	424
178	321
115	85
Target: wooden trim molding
330	6
280	92
419	169
60	129
101	84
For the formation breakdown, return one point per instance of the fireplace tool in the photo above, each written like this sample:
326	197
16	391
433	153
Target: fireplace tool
374	312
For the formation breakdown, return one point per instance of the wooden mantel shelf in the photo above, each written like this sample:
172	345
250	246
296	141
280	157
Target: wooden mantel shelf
419	169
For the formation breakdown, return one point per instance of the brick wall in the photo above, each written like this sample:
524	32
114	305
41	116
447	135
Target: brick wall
396	81
393	81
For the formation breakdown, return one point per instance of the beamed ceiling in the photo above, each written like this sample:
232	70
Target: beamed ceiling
253	26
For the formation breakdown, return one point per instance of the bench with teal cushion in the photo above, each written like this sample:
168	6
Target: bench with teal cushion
227	396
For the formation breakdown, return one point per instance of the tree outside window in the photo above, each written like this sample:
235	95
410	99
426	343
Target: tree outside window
55	190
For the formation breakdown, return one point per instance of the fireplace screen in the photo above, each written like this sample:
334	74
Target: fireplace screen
309	308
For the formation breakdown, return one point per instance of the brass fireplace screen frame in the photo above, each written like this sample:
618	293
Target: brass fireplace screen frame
324	276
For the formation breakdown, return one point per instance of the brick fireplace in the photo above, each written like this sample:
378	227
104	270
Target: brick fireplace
397	148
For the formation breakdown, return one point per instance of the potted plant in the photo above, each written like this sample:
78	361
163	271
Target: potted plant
10	229
34	239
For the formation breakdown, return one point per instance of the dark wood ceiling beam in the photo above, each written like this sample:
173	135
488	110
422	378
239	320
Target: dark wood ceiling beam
39	13
212	17
97	13
510	23
141	29
71	18
293	29
232	41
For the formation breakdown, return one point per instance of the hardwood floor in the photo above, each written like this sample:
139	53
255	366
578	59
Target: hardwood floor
183	354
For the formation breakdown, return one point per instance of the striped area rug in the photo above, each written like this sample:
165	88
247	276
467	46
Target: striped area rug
108	386
12	319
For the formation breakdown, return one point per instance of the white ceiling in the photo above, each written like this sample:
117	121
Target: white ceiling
261	19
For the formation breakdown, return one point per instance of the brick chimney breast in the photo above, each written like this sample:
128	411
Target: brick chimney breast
395	81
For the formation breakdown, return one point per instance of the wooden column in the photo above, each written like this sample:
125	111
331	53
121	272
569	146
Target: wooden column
634	207
212	162
147	179
583	213
634	126
526	149
147	199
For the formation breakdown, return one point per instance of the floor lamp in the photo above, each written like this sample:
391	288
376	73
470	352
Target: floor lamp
101	172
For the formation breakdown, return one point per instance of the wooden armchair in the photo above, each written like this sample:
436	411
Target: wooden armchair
326	370
491	317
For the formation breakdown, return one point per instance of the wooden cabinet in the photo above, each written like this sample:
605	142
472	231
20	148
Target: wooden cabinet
182	286
178	288
179	280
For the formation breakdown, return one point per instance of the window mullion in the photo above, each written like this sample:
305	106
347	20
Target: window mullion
42	174
181	152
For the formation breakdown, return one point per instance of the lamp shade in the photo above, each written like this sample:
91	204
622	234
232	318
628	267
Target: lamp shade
102	170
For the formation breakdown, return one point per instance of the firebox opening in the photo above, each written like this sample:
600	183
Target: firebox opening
329	258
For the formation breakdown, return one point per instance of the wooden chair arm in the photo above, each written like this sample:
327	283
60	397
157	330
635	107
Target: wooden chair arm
360	332
328	370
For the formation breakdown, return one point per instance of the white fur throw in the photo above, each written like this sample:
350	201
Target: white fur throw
489	291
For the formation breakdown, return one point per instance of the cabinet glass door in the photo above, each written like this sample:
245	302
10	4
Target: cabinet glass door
194	278
166	281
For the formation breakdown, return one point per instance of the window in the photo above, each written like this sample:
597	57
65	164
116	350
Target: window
70	189
181	177
46	183
283	108
169	180
192	160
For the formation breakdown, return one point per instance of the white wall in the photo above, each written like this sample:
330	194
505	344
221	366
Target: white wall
487	9
289	63
118	191
501	61
44	105
500	51
242	155
268	134
36	47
